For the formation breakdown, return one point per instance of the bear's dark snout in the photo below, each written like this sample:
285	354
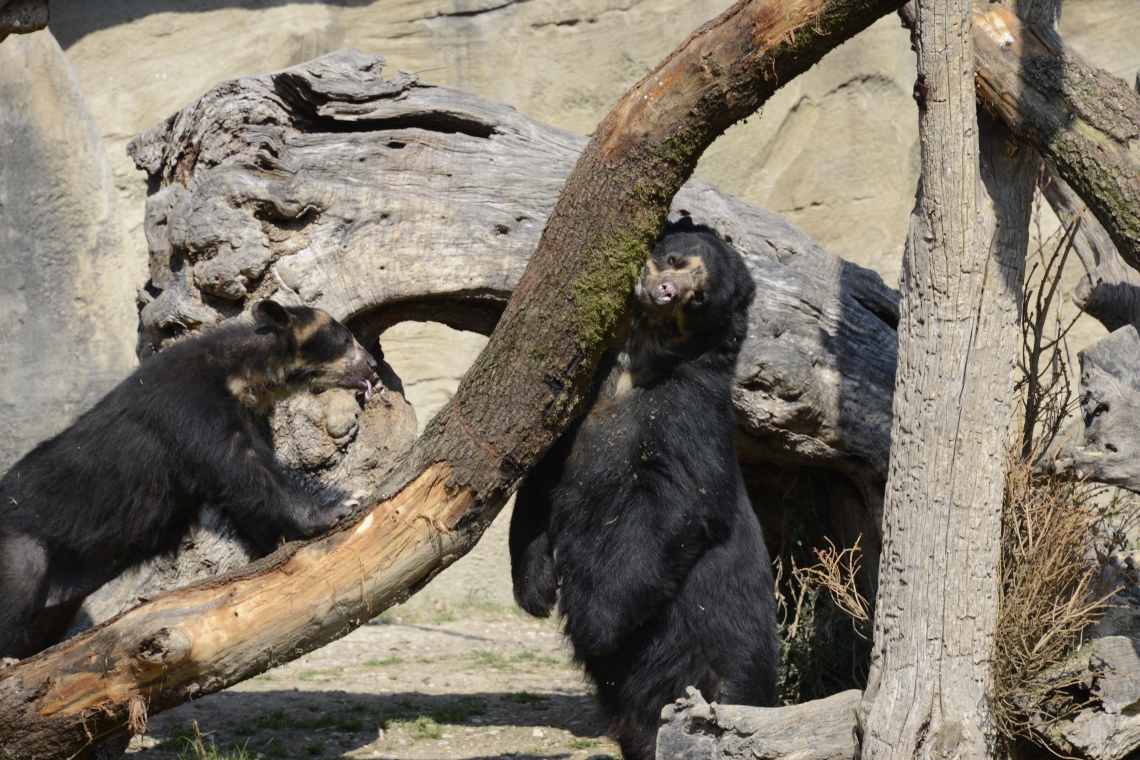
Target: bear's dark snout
363	368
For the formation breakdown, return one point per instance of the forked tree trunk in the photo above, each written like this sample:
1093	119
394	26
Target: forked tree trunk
521	393
930	679
1084	120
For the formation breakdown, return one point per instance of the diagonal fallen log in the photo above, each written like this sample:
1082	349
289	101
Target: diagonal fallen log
521	393
1083	120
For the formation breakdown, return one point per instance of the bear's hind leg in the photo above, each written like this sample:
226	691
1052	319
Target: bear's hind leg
630	703
23	569
635	730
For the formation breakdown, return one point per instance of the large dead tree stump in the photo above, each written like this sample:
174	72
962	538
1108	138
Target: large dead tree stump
381	201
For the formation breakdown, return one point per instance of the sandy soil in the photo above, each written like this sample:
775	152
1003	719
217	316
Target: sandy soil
480	683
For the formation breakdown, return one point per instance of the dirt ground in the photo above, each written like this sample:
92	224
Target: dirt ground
481	682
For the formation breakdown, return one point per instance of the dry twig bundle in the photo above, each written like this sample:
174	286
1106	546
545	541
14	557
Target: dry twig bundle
1052	551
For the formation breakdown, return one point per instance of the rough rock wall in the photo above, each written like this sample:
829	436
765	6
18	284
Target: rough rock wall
835	151
67	313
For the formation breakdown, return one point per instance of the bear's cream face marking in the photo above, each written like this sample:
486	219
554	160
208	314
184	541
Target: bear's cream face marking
671	284
324	355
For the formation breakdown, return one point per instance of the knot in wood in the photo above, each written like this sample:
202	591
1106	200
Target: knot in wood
165	647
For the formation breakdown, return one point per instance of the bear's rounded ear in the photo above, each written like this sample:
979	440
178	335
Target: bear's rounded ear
272	314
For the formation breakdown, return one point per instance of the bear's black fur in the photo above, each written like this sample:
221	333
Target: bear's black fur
124	483
638	517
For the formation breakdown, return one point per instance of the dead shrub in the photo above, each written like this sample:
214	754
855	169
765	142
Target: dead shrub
824	624
836	573
1053	549
1057	533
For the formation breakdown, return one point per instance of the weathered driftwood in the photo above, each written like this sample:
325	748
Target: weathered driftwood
22	16
1110	403
823	729
518	397
1110	289
414	201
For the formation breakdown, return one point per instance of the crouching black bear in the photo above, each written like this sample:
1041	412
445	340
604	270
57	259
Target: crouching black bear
124	483
638	519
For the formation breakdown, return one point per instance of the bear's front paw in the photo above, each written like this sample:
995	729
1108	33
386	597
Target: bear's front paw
342	508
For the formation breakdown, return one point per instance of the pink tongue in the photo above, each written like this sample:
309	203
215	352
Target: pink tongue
367	390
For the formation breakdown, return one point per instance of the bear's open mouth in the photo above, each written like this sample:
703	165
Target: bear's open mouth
666	292
367	389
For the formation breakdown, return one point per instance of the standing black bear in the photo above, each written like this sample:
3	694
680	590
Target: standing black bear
639	514
124	483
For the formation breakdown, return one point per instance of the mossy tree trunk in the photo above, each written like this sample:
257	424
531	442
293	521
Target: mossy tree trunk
522	392
1085	121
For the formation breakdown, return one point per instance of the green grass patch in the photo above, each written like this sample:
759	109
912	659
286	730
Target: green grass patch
582	742
461	711
194	745
488	659
424	727
327	673
535	659
526	698
391	660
